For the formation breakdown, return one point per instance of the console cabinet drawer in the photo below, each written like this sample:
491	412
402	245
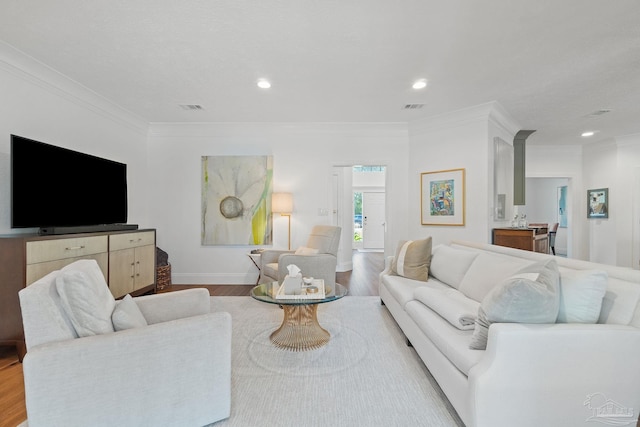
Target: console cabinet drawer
131	240
41	269
51	250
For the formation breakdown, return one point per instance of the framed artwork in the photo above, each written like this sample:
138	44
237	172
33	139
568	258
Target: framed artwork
236	200
598	203
442	197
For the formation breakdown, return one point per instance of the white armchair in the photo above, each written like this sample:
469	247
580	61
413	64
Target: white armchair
324	241
176	370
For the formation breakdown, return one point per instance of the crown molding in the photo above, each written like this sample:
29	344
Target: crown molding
490	111
261	129
32	71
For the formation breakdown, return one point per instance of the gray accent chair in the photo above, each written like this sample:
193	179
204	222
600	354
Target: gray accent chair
324	238
175	371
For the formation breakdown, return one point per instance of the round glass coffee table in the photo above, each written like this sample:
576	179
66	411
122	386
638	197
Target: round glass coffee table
300	329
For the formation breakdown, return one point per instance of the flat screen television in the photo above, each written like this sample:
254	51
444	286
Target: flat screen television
55	188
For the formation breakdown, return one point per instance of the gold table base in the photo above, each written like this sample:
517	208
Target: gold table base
300	329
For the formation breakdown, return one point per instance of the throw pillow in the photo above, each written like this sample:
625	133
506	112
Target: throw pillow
127	315
412	259
581	295
530	296
85	298
306	251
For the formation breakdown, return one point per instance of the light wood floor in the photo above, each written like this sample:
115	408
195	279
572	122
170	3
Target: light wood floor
361	281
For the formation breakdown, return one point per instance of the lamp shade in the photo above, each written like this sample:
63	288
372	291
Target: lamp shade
281	203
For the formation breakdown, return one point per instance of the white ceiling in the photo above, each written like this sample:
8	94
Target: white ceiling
549	63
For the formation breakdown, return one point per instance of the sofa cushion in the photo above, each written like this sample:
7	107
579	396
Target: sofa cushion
621	303
449	265
487	271
85	298
451	304
530	296
452	342
412	259
581	294
127	315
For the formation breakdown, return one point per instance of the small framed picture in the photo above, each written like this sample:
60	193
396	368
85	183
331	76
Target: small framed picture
442	197
598	203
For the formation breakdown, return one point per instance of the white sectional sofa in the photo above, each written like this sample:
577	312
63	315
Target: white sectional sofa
549	374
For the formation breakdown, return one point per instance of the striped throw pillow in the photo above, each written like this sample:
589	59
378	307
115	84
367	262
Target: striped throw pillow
412	259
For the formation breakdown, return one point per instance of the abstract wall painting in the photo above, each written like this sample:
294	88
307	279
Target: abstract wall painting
236	200
442	197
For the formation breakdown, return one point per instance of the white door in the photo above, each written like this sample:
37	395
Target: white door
373	220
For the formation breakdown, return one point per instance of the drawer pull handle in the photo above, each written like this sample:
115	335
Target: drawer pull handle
74	248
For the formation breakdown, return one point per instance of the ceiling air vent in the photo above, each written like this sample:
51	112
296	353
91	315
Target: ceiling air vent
412	106
191	107
598	113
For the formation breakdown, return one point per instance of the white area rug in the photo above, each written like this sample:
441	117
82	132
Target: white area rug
365	376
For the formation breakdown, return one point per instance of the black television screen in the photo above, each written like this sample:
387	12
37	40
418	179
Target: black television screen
57	187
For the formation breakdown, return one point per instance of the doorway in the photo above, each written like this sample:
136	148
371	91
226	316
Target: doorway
549	201
359	192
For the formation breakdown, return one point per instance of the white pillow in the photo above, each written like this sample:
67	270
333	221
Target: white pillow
127	315
581	295
487	271
530	296
85	298
306	251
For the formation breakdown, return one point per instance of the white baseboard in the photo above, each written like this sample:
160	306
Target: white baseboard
344	266
213	279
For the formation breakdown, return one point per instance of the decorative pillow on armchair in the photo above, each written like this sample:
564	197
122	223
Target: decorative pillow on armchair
127	315
303	250
86	298
530	296
412	259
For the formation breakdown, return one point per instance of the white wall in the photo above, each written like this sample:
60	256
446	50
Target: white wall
626	201
461	139
600	163
304	157
40	104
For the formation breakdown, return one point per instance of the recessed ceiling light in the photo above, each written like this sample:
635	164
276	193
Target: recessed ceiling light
263	84
420	84
587	134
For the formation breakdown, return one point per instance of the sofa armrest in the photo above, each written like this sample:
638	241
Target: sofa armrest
173	373
271	256
533	375
387	265
163	307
